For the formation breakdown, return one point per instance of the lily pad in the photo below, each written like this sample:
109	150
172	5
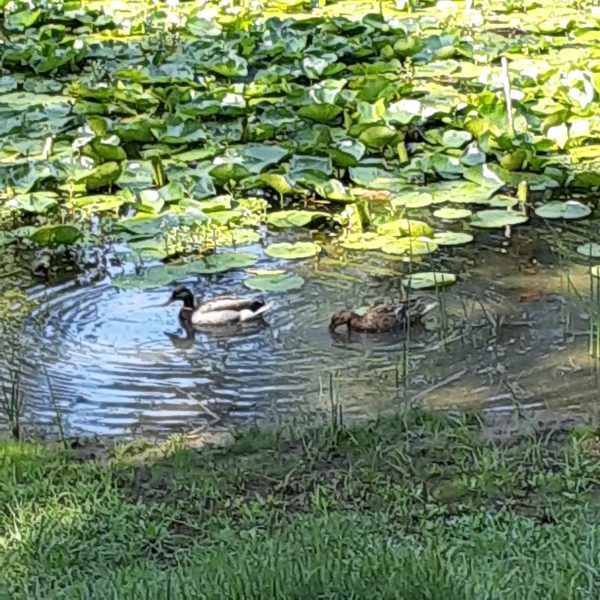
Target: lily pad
429	279
151	278
413	200
55	235
452	214
571	209
494	218
403	227
366	241
166	274
34	202
591	250
274	283
294	218
410	246
295	250
455	138
503	201
225	261
452	238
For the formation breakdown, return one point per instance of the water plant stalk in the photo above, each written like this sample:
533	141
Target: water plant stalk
507	97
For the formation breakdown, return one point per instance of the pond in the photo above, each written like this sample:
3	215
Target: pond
516	336
325	163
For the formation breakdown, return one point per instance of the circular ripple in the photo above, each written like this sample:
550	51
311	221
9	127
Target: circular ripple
116	361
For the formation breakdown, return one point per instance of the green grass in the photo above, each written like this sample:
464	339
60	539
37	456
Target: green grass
419	506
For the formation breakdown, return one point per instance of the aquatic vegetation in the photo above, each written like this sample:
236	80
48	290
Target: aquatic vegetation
162	121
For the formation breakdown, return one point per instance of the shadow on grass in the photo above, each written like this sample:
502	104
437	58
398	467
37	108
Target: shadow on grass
422	505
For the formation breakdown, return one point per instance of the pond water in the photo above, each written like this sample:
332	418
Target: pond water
514	335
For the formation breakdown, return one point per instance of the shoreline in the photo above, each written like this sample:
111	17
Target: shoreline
423	504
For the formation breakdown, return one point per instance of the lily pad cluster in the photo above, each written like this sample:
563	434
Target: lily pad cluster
188	128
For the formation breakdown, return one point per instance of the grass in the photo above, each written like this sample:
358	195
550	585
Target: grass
417	506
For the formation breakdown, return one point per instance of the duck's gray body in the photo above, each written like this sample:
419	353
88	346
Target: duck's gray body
224	310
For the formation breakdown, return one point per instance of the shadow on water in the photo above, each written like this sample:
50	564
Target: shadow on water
513	335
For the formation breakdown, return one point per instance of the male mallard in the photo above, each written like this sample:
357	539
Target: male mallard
384	317
223	310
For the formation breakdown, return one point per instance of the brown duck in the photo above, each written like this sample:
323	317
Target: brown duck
384	317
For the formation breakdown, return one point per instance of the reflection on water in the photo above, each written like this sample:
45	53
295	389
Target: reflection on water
120	364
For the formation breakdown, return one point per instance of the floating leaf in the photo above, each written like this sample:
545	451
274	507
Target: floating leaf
224	261
494	218
274	283
462	192
290	251
403	227
54	235
503	201
34	202
321	113
151	278
410	246
280	183
378	136
452	214
294	218
166	274
365	241
99	202
412	200
455	138
452	238
571	209
430	279
102	176
591	250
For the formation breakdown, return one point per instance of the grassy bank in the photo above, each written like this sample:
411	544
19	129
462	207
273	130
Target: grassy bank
419	506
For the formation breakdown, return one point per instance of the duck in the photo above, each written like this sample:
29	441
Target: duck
384	317
223	310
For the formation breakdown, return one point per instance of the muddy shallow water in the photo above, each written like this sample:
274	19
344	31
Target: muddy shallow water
513	335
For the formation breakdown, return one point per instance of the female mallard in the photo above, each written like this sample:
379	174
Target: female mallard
224	310
384	317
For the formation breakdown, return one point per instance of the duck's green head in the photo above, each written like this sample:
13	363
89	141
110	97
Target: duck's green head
182	294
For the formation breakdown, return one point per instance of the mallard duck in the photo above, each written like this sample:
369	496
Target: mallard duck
384	317
224	310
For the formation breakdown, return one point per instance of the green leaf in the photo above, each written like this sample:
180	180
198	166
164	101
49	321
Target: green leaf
452	238
220	262
378	136
294	218
229	172
303	165
571	209
280	183
274	283
295	250
405	227
412	199
101	176
320	113
55	235
366	241
34	202
347	153
452	214
456	138
494	218
429	279
591	250
410	246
